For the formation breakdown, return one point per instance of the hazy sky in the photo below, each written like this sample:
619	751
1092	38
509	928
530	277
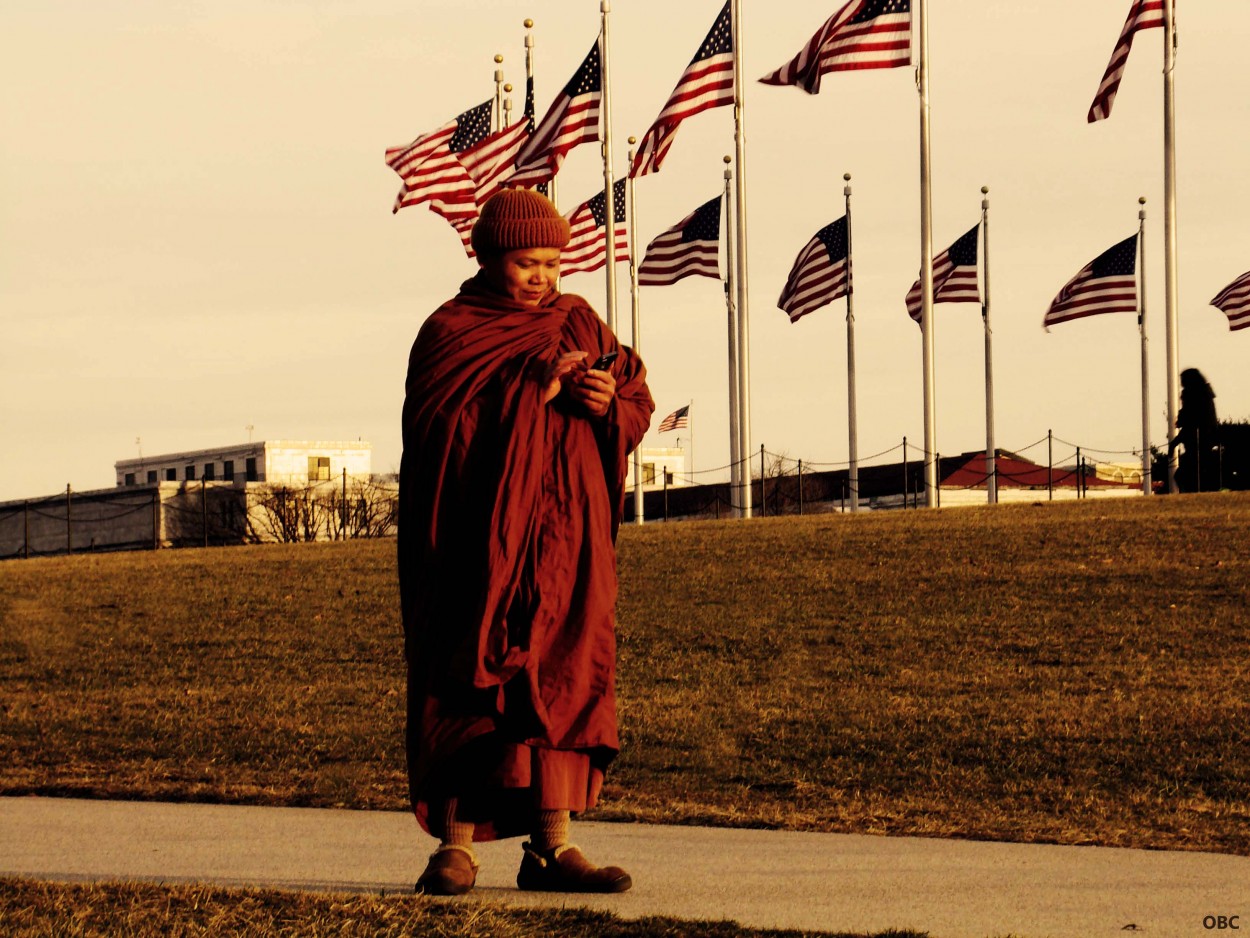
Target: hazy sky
196	231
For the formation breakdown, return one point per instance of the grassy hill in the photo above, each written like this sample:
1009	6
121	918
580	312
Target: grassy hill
1063	672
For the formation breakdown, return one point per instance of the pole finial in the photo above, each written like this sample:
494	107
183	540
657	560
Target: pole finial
529	23
632	140
728	158
985	190
498	59
508	87
846	176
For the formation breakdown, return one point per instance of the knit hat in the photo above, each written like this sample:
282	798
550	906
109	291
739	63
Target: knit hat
519	218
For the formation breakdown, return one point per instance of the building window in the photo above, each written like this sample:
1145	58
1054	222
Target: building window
130	478
249	468
190	475
171	475
227	470
318	468
668	476
151	476
648	473
210	471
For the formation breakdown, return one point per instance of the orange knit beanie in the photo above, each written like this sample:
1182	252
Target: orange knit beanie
519	218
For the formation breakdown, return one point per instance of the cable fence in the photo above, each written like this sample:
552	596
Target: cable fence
204	513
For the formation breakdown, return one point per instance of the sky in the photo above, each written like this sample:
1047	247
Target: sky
197	245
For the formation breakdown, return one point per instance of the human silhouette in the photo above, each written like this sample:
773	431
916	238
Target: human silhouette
1198	431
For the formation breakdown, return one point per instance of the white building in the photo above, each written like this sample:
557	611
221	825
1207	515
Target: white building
277	462
658	462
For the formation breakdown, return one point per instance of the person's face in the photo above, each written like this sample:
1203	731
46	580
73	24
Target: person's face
526	275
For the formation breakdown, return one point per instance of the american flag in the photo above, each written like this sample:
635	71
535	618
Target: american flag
1107	284
585	250
1234	302
456	167
707	82
820	272
572	119
689	248
677	420
954	276
863	34
1144	14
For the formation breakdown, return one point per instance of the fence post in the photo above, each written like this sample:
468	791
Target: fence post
344	503
906	480
763	490
937	473
69	524
25	530
204	510
156	516
800	487
842	506
665	471
1050	465
1080	473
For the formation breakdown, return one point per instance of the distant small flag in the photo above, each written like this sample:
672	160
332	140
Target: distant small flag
572	119
1107	284
1234	302
690	248
677	420
819	274
585	250
863	34
707	82
1144	14
954	276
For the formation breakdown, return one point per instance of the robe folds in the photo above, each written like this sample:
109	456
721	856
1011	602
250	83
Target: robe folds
509	509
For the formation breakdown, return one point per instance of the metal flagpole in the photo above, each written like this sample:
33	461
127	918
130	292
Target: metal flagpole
991	454
609	207
735	446
1145	371
690	428
852	426
744	331
1169	230
529	77
636	321
926	264
496	119
507	105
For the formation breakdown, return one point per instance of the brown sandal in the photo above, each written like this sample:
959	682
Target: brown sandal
565	869
452	871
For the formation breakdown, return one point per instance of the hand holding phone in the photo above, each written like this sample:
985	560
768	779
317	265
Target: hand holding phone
604	361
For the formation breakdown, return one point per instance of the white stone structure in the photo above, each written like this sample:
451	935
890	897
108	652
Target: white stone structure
656	462
276	462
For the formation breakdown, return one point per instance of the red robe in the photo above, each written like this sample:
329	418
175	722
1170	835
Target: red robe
509	509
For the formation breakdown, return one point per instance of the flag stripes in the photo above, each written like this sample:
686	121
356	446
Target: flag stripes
690	248
677	420
1107	284
1144	14
585	251
1234	302
572	119
707	82
954	276
863	34
819	274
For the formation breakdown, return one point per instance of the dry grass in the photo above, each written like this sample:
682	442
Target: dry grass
1071	673
138	910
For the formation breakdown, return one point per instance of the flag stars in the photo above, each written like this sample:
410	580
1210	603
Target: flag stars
719	40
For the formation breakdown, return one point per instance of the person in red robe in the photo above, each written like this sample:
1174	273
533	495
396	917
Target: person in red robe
511	491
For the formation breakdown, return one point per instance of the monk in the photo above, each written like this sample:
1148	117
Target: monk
511	493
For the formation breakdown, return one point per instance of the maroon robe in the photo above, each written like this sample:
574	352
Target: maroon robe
509	509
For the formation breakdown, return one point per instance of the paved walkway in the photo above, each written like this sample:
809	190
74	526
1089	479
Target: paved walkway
949	888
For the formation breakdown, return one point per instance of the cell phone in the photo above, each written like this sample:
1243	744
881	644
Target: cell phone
604	361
